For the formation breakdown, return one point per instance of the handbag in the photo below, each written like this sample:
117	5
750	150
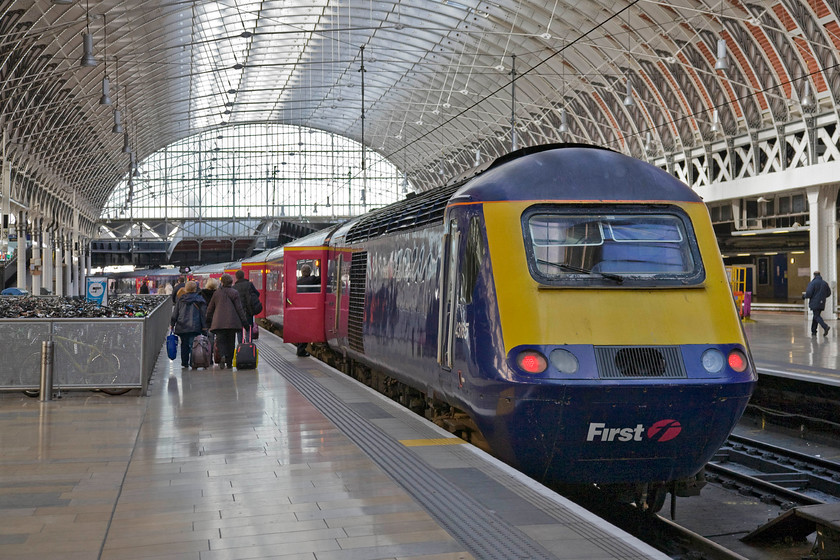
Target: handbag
172	345
255	332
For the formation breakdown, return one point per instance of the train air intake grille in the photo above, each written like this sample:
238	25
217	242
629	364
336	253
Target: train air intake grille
637	362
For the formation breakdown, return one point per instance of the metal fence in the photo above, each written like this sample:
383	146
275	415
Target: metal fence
98	353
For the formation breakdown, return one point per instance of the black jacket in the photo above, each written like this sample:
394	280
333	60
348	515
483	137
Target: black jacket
188	316
817	292
249	296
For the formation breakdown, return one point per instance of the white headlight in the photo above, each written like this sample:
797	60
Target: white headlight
713	360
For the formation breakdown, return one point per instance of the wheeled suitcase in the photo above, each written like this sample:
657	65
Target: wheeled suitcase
201	353
246	352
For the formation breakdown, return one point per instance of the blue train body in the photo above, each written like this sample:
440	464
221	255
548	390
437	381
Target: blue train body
570	300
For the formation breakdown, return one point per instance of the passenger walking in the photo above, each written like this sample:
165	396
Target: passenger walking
178	285
210	287
250	298
817	292
226	317
188	319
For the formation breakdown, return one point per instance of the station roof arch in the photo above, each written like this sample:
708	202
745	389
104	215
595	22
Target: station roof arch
435	86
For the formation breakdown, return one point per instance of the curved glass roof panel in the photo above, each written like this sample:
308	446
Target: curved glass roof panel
257	170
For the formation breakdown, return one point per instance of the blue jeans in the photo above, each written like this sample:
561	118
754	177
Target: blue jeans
186	347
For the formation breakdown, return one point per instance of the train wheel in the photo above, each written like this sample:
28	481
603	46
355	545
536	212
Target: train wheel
656	495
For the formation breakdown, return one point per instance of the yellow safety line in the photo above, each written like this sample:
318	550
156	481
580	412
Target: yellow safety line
424	442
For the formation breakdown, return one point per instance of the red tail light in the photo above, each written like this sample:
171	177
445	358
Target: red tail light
532	362
737	361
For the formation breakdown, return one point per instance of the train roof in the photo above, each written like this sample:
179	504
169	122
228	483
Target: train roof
213	267
259	257
551	172
574	173
317	239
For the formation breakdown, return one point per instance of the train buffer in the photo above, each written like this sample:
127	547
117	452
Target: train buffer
800	522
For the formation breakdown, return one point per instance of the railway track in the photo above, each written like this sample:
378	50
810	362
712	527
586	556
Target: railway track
775	474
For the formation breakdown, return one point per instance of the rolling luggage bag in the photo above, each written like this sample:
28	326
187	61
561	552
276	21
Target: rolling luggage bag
246	352
200	356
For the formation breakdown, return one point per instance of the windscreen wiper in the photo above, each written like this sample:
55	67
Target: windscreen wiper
618	279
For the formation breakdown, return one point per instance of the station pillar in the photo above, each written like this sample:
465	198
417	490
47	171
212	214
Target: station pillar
822	201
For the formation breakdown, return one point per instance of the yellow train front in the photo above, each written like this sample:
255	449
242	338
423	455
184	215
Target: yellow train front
571	300
612	351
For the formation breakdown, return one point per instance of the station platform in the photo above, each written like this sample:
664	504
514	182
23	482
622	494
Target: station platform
782	346
290	461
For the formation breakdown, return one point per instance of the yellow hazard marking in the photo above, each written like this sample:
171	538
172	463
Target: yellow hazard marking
439	441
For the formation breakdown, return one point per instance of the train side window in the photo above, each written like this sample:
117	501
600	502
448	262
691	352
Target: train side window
473	257
308	276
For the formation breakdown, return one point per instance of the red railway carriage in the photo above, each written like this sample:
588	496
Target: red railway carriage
305	285
256	270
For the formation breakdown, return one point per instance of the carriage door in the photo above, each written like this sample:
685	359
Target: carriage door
448	295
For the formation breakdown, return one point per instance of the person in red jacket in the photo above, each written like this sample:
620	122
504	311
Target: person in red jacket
226	316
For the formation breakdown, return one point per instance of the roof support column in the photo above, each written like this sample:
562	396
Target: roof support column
36	256
47	259
59	260
823	237
5	200
22	260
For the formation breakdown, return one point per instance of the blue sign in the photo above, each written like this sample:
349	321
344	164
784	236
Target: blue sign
97	290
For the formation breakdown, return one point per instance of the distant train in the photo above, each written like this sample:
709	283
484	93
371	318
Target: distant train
568	302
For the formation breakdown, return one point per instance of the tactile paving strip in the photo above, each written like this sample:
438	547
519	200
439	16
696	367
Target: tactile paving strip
484	534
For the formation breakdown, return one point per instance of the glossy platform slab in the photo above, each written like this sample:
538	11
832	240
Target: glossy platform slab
223	464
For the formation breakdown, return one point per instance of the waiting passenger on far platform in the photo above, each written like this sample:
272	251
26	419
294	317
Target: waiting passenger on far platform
817	292
226	317
188	319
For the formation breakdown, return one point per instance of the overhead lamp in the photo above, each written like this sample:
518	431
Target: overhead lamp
722	63
715	121
126	146
88	60
628	99
806	100
648	141
118	127
564	125
106	85
327	205
477	157
106	92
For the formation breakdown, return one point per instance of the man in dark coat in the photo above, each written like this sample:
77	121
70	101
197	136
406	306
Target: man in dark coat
817	292
226	317
249	296
178	285
188	320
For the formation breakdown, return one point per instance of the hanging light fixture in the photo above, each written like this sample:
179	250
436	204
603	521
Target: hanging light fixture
806	100
106	85
126	146
88	60
477	157
564	125
722	63
648	141
715	121
118	127
628	99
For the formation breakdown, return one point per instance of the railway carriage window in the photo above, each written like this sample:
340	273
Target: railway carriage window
600	246
308	276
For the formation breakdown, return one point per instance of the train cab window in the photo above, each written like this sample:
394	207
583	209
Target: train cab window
308	276
611	247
